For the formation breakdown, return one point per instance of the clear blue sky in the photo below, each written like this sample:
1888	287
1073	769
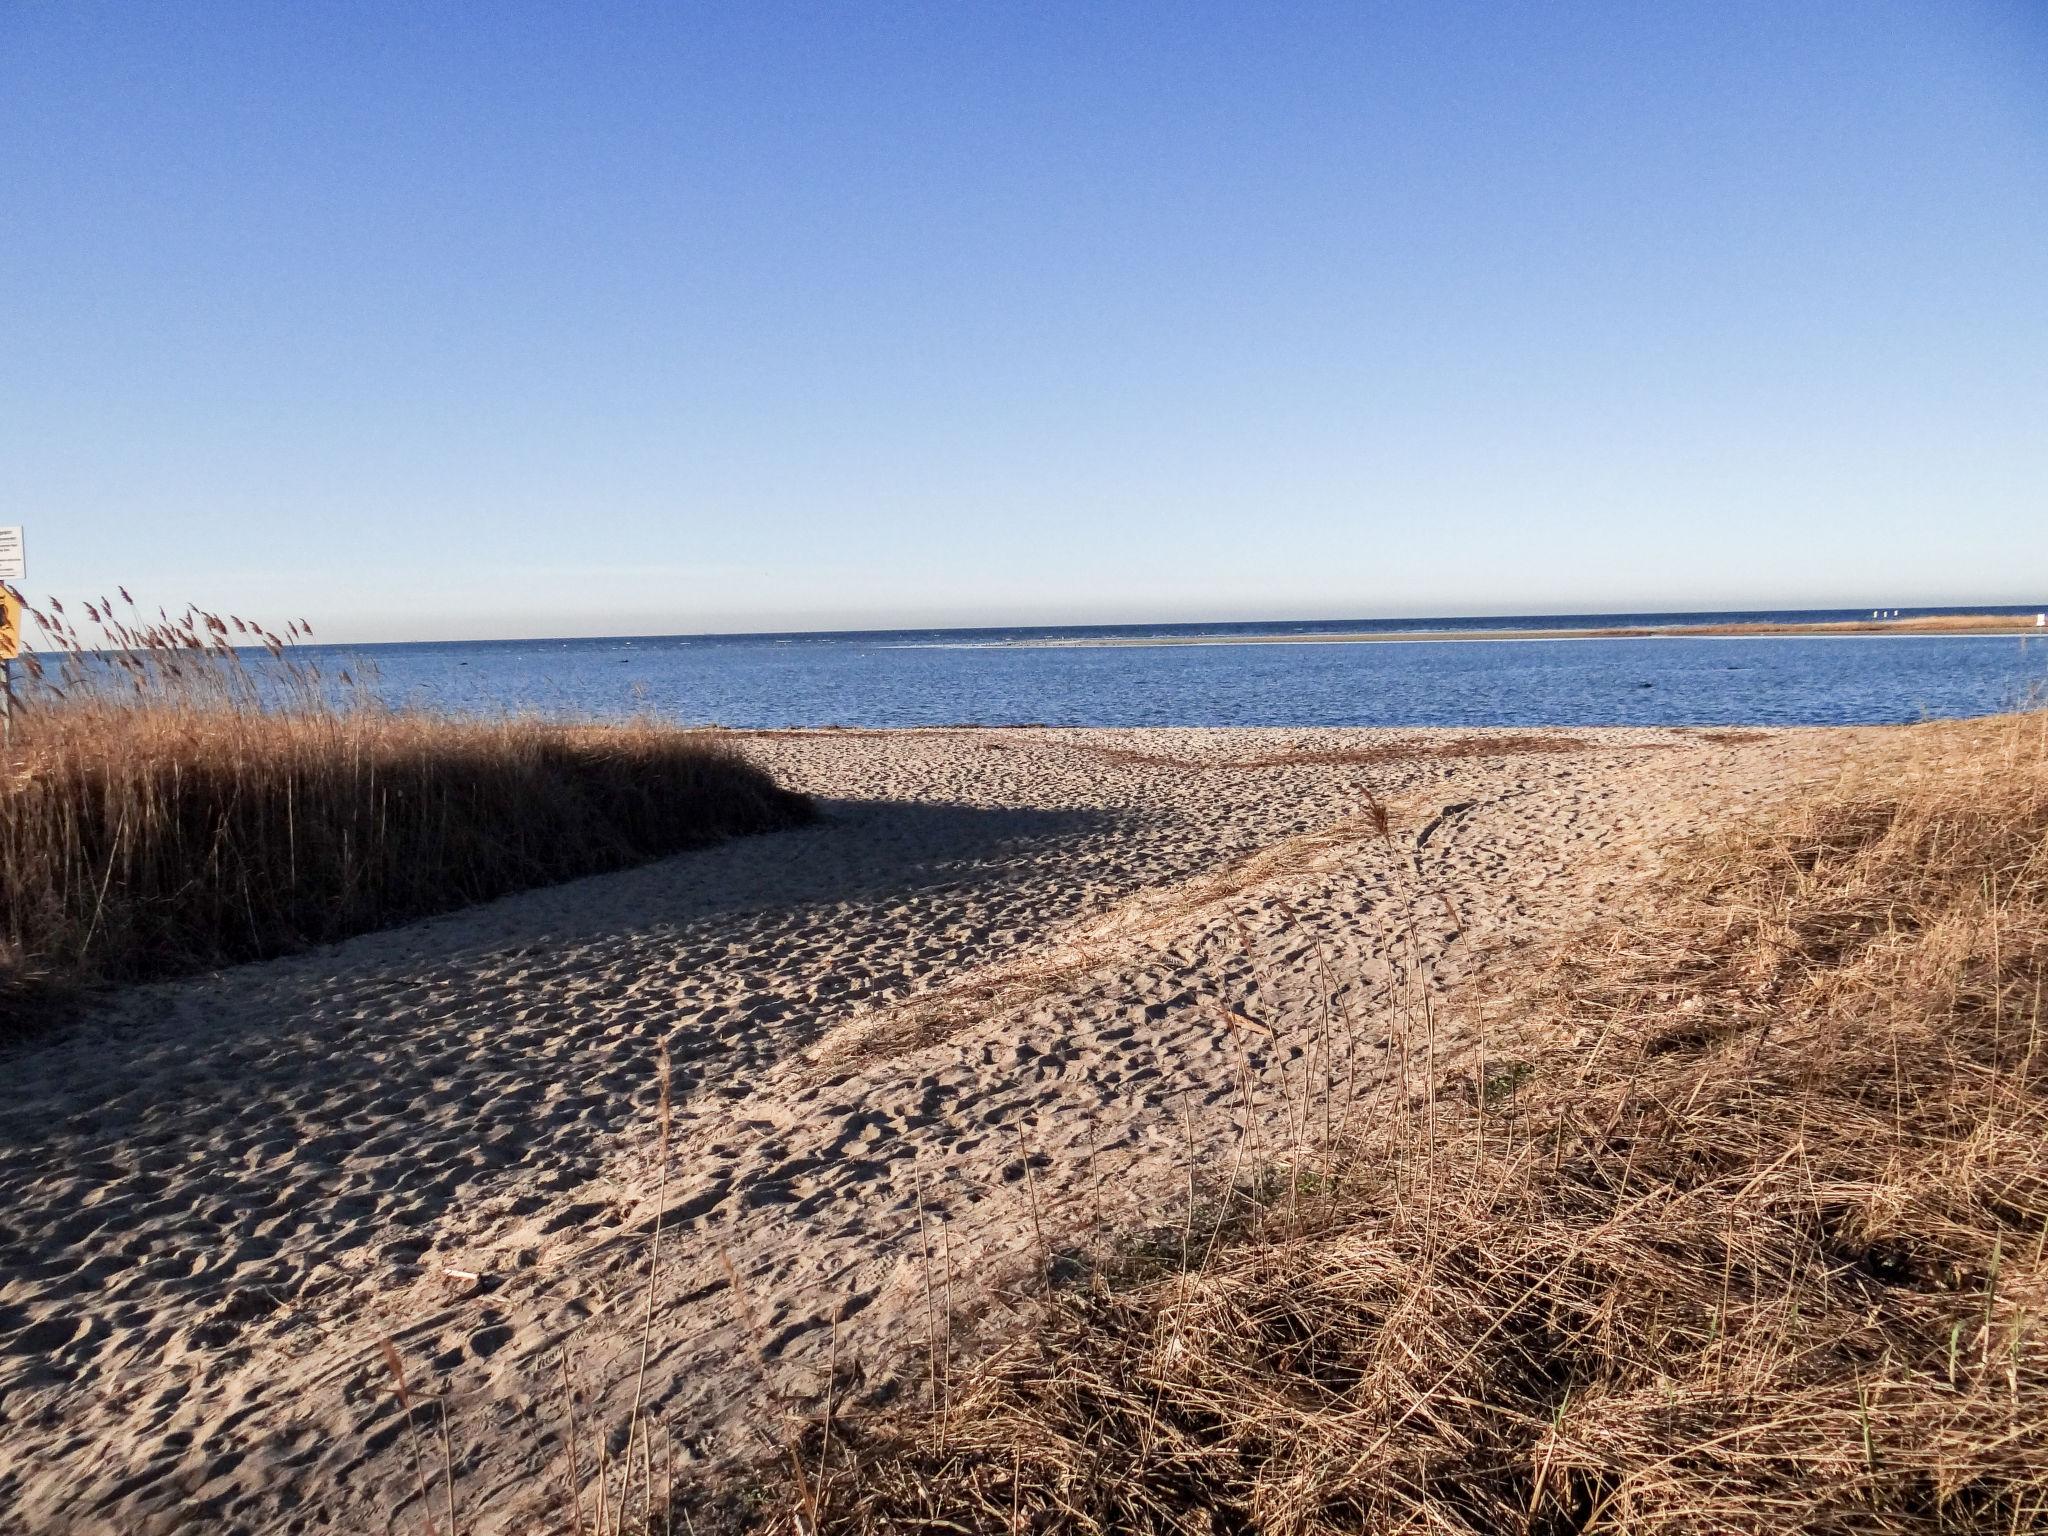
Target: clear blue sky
440	320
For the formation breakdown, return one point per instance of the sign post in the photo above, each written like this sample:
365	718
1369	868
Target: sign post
13	567
10	647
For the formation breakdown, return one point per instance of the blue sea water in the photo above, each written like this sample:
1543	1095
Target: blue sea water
1108	675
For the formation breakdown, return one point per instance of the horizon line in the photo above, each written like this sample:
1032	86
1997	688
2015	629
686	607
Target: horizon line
1155	626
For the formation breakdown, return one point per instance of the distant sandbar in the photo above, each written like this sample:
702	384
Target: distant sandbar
1930	624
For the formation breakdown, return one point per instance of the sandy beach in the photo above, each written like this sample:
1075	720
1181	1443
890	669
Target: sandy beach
966	1020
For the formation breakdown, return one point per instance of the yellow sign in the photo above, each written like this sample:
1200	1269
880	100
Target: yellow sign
10	625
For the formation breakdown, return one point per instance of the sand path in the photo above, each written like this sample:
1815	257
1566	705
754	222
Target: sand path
217	1197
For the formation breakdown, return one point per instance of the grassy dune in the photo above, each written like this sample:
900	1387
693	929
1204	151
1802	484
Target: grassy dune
1736	1225
167	808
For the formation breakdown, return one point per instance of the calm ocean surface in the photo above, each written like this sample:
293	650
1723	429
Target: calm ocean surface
1107	676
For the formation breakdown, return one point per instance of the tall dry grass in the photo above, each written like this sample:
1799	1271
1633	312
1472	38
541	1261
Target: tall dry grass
190	792
1736	1223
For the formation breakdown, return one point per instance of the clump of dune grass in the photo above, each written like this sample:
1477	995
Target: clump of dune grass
1736	1224
188	792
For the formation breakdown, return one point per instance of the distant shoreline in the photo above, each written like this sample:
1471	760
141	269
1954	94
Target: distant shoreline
1933	625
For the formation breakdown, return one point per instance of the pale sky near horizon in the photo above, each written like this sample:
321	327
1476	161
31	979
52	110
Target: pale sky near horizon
438	321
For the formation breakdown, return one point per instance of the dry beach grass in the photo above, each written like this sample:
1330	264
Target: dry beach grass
1733	1221
168	805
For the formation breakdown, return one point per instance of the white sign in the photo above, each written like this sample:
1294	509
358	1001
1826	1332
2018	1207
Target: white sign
13	563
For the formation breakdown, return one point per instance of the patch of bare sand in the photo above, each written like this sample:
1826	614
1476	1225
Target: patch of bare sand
985	987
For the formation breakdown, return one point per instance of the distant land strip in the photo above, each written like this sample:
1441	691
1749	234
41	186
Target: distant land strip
1927	624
